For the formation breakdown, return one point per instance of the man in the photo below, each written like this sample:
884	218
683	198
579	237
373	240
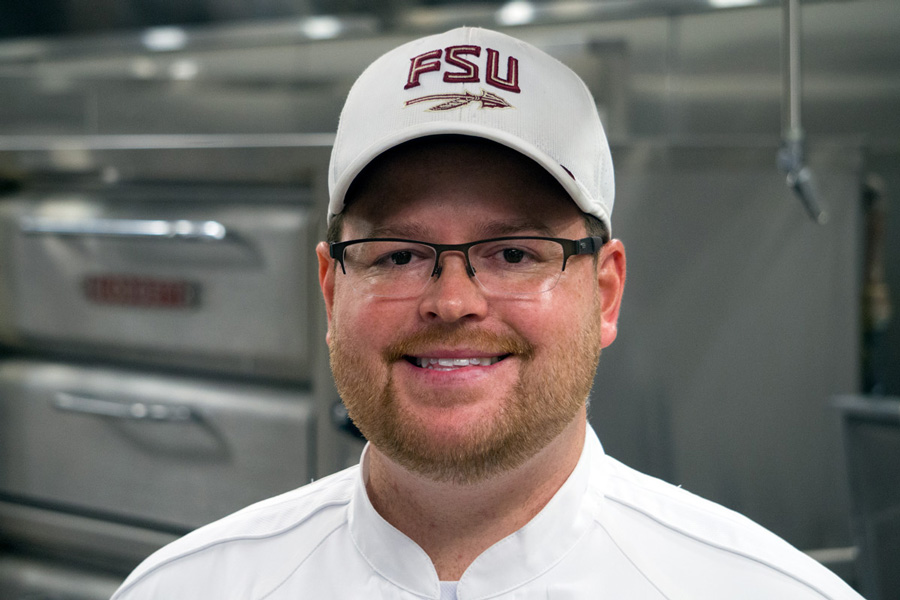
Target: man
470	285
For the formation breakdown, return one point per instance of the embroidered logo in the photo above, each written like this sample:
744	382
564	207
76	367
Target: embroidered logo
452	101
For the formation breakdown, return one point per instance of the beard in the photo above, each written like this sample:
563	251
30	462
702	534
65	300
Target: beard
552	387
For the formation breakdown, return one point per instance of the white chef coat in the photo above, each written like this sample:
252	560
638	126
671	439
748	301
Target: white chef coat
609	533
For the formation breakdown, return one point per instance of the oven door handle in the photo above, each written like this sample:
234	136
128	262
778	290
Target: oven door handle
132	411
180	229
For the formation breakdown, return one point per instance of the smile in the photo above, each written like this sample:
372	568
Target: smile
448	364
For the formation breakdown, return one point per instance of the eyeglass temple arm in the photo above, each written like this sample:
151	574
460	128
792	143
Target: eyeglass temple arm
588	245
336	250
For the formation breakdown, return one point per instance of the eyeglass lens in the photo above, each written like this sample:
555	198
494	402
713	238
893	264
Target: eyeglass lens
400	269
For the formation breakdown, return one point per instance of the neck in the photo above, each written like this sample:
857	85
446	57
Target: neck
454	523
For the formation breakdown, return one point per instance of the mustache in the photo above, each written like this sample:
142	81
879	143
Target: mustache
454	336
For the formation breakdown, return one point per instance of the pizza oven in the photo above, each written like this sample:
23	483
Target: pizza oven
163	365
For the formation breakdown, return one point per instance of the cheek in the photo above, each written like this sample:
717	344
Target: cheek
557	315
346	305
546	324
364	322
559	329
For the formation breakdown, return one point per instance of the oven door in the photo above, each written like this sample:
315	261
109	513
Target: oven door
154	452
220	281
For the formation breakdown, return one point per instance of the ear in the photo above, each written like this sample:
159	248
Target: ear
611	283
326	282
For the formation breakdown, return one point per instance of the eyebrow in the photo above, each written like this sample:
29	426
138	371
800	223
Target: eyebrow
398	230
518	227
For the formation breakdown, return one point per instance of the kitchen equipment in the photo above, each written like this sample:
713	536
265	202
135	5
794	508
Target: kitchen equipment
161	366
209	278
103	465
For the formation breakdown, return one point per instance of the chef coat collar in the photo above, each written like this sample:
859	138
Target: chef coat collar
511	562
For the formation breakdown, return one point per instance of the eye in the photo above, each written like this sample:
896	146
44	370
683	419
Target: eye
396	255
402	257
513	255
504	254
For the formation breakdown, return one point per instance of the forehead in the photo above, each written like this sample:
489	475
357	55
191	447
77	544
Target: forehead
427	185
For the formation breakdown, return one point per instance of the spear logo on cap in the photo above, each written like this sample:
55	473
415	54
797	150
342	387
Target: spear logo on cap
451	101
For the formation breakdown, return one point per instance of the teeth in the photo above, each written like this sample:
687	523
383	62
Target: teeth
455	363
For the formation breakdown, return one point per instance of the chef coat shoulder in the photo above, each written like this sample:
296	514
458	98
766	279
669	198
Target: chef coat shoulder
280	533
690	547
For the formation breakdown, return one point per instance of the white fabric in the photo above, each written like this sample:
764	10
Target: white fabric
609	532
448	590
551	117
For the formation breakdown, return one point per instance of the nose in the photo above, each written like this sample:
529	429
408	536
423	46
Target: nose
453	295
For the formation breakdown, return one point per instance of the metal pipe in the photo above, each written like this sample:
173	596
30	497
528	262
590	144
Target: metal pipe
791	154
792	82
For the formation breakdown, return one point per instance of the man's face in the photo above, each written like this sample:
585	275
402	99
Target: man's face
536	354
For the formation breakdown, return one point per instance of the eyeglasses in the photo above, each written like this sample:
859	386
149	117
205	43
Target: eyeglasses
509	266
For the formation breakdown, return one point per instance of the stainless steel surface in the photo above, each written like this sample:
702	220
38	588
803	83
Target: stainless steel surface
86	143
710	73
208	231
871	427
23	578
298	22
246	442
163	277
231	34
87	541
739	321
885	409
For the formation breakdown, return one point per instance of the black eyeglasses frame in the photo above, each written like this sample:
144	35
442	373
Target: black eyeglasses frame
588	245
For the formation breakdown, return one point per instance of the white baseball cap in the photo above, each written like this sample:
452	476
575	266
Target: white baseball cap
482	83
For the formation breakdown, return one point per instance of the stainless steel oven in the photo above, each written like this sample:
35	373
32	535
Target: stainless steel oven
162	365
